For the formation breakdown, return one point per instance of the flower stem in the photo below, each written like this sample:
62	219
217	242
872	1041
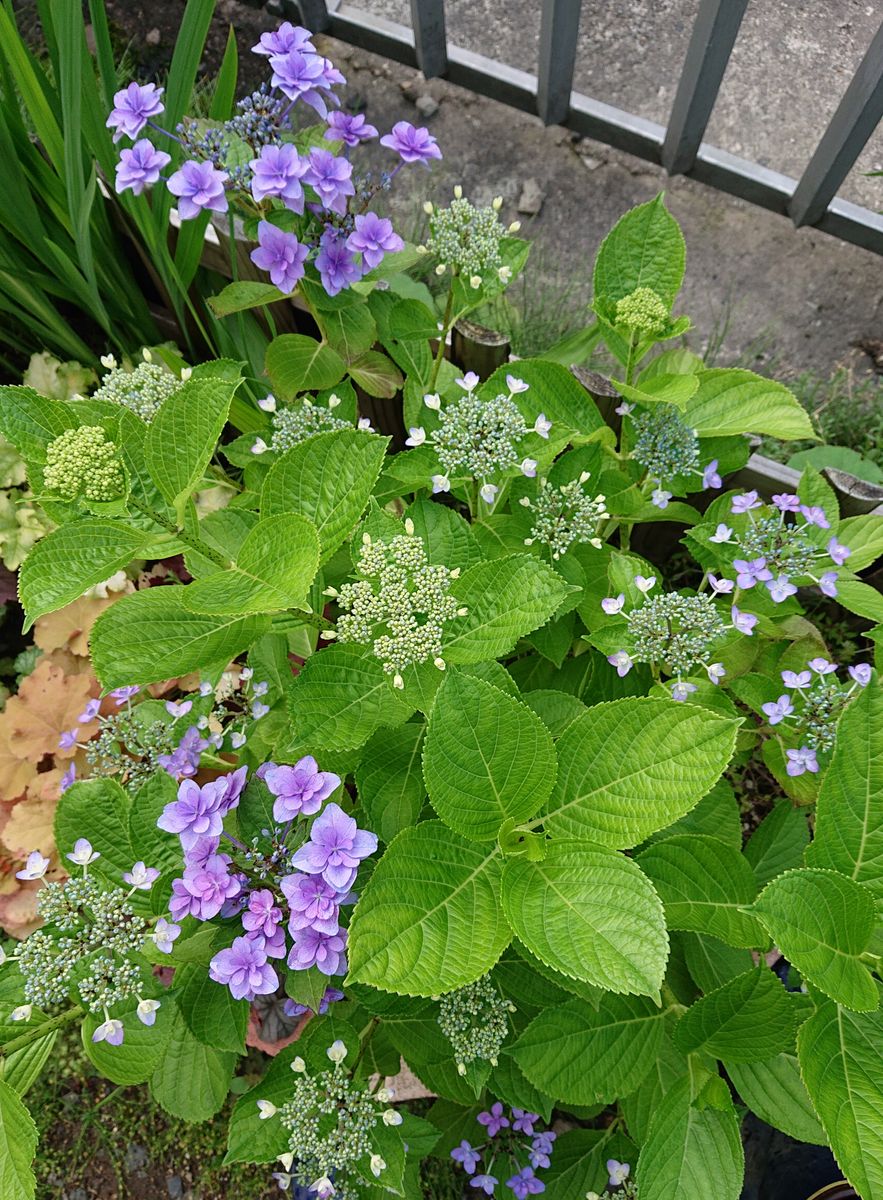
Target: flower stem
442	337
41	1031
194	543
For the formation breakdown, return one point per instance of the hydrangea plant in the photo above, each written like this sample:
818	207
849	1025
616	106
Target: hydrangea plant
450	764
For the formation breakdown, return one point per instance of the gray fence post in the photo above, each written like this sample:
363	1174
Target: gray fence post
558	33
842	142
711	43
430	39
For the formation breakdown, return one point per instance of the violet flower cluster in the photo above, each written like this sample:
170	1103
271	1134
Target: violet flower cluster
514	1149
299	891
310	205
811	706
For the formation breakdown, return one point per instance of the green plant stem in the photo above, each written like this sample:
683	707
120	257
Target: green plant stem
194	543
630	361
442	337
41	1031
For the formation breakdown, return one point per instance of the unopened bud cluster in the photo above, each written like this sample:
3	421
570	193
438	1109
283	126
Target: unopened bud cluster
401	603
475	1020
564	515
642	311
786	547
296	423
142	390
479	437
465	238
675	631
82	462
664	444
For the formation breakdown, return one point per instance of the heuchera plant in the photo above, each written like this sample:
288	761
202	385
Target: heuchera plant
448	764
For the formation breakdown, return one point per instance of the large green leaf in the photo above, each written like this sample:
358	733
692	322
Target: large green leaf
849	815
731	401
778	843
750	1018
864	537
487	759
839	1053
142	1049
645	248
389	779
823	922
693	1148
297	363
30	421
590	913
182	436
151	635
98	810
274	568
775	1091
210	1011
73	558
18	1145
429	920
506	598
579	1163
668	1067
192	1080
629	767
587	1053
704	885
328	478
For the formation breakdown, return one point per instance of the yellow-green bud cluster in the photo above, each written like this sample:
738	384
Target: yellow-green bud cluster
82	462
475	1020
642	311
466	239
674	630
665	445
564	515
295	424
142	390
401	602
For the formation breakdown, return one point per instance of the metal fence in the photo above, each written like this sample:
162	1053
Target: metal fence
811	200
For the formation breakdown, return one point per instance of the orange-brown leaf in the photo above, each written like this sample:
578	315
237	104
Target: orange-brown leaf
48	702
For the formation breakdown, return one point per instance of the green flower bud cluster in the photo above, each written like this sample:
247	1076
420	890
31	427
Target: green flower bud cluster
674	630
628	1191
401	602
642	311
478	437
295	424
128	750
82	462
88	919
475	1020
564	515
142	390
665	445
823	705
466	239
786	548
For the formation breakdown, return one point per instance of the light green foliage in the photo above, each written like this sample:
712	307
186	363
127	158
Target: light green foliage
775	1091
18	1145
748	1019
182	437
83	463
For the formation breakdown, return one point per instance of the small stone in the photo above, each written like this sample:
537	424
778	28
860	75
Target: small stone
591	163
426	105
135	1158
153	37
175	1187
531	199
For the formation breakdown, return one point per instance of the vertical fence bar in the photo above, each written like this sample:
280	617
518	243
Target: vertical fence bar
430	38
711	43
313	13
842	142
559	28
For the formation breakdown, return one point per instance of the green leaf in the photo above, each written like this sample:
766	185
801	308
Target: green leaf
590	913
861	599
823	922
18	1146
691	1150
151	845
629	767
779	842
668	1067
704	884
487	759
73	558
660	389
716	814
645	248
849	816
98	810
711	962
506	598
749	1019
328	478
349	331
448	538
839	1053
192	1080
588	1054
297	363
209	1010
775	1092
30	422
244	294
274	569
341	696
579	1163
23	1067
377	375
183	435
429	920
864	536
389	779
150	636
731	400
142	1049
553	390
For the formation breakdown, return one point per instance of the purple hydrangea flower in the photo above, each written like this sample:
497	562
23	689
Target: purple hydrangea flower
69	777
281	254
681	689
203	889
330	178
613	604
796	679
861	673
412	145
90	712
786	502
822	666
373	237
466	1157
743	621
659	497
781	588
122	694
523	1122
750	572
349	129
277	171
68	739
184	760
778	710
110	1031
541	1149
199	187
132	109
35	867
243	967
283	40
623	662
828	583
300	790
723	533
178	708
814	515
198	811
336	265
801	760
493	1120
273	946
839	553
141	876
164	934
262	914
313	902
140	167
710	476
720	587
305	77
329	996
487	1183
264	770
335	848
325	951
525	1183
744	503
617	1172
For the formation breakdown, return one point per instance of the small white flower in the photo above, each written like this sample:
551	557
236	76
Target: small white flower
680	690
268	403
337	1051
613	604
515	226
623	409
645	584
488	491
22	1013
542	425
475	281
237	740
529	468
660	497
723	533
141	877
416	436
323	1188
259	446
377	1165
497	203
35	867
286	1159
246	673
716	672
365	425
440	483
206	688
469	382
266	1109
147	1010
186	372
108	360
298	1065
146	355
109	1031
428	207
334	400
391	1117
2	956
83	854
458	191
504	274
433	401
516	385
398	682
440	268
